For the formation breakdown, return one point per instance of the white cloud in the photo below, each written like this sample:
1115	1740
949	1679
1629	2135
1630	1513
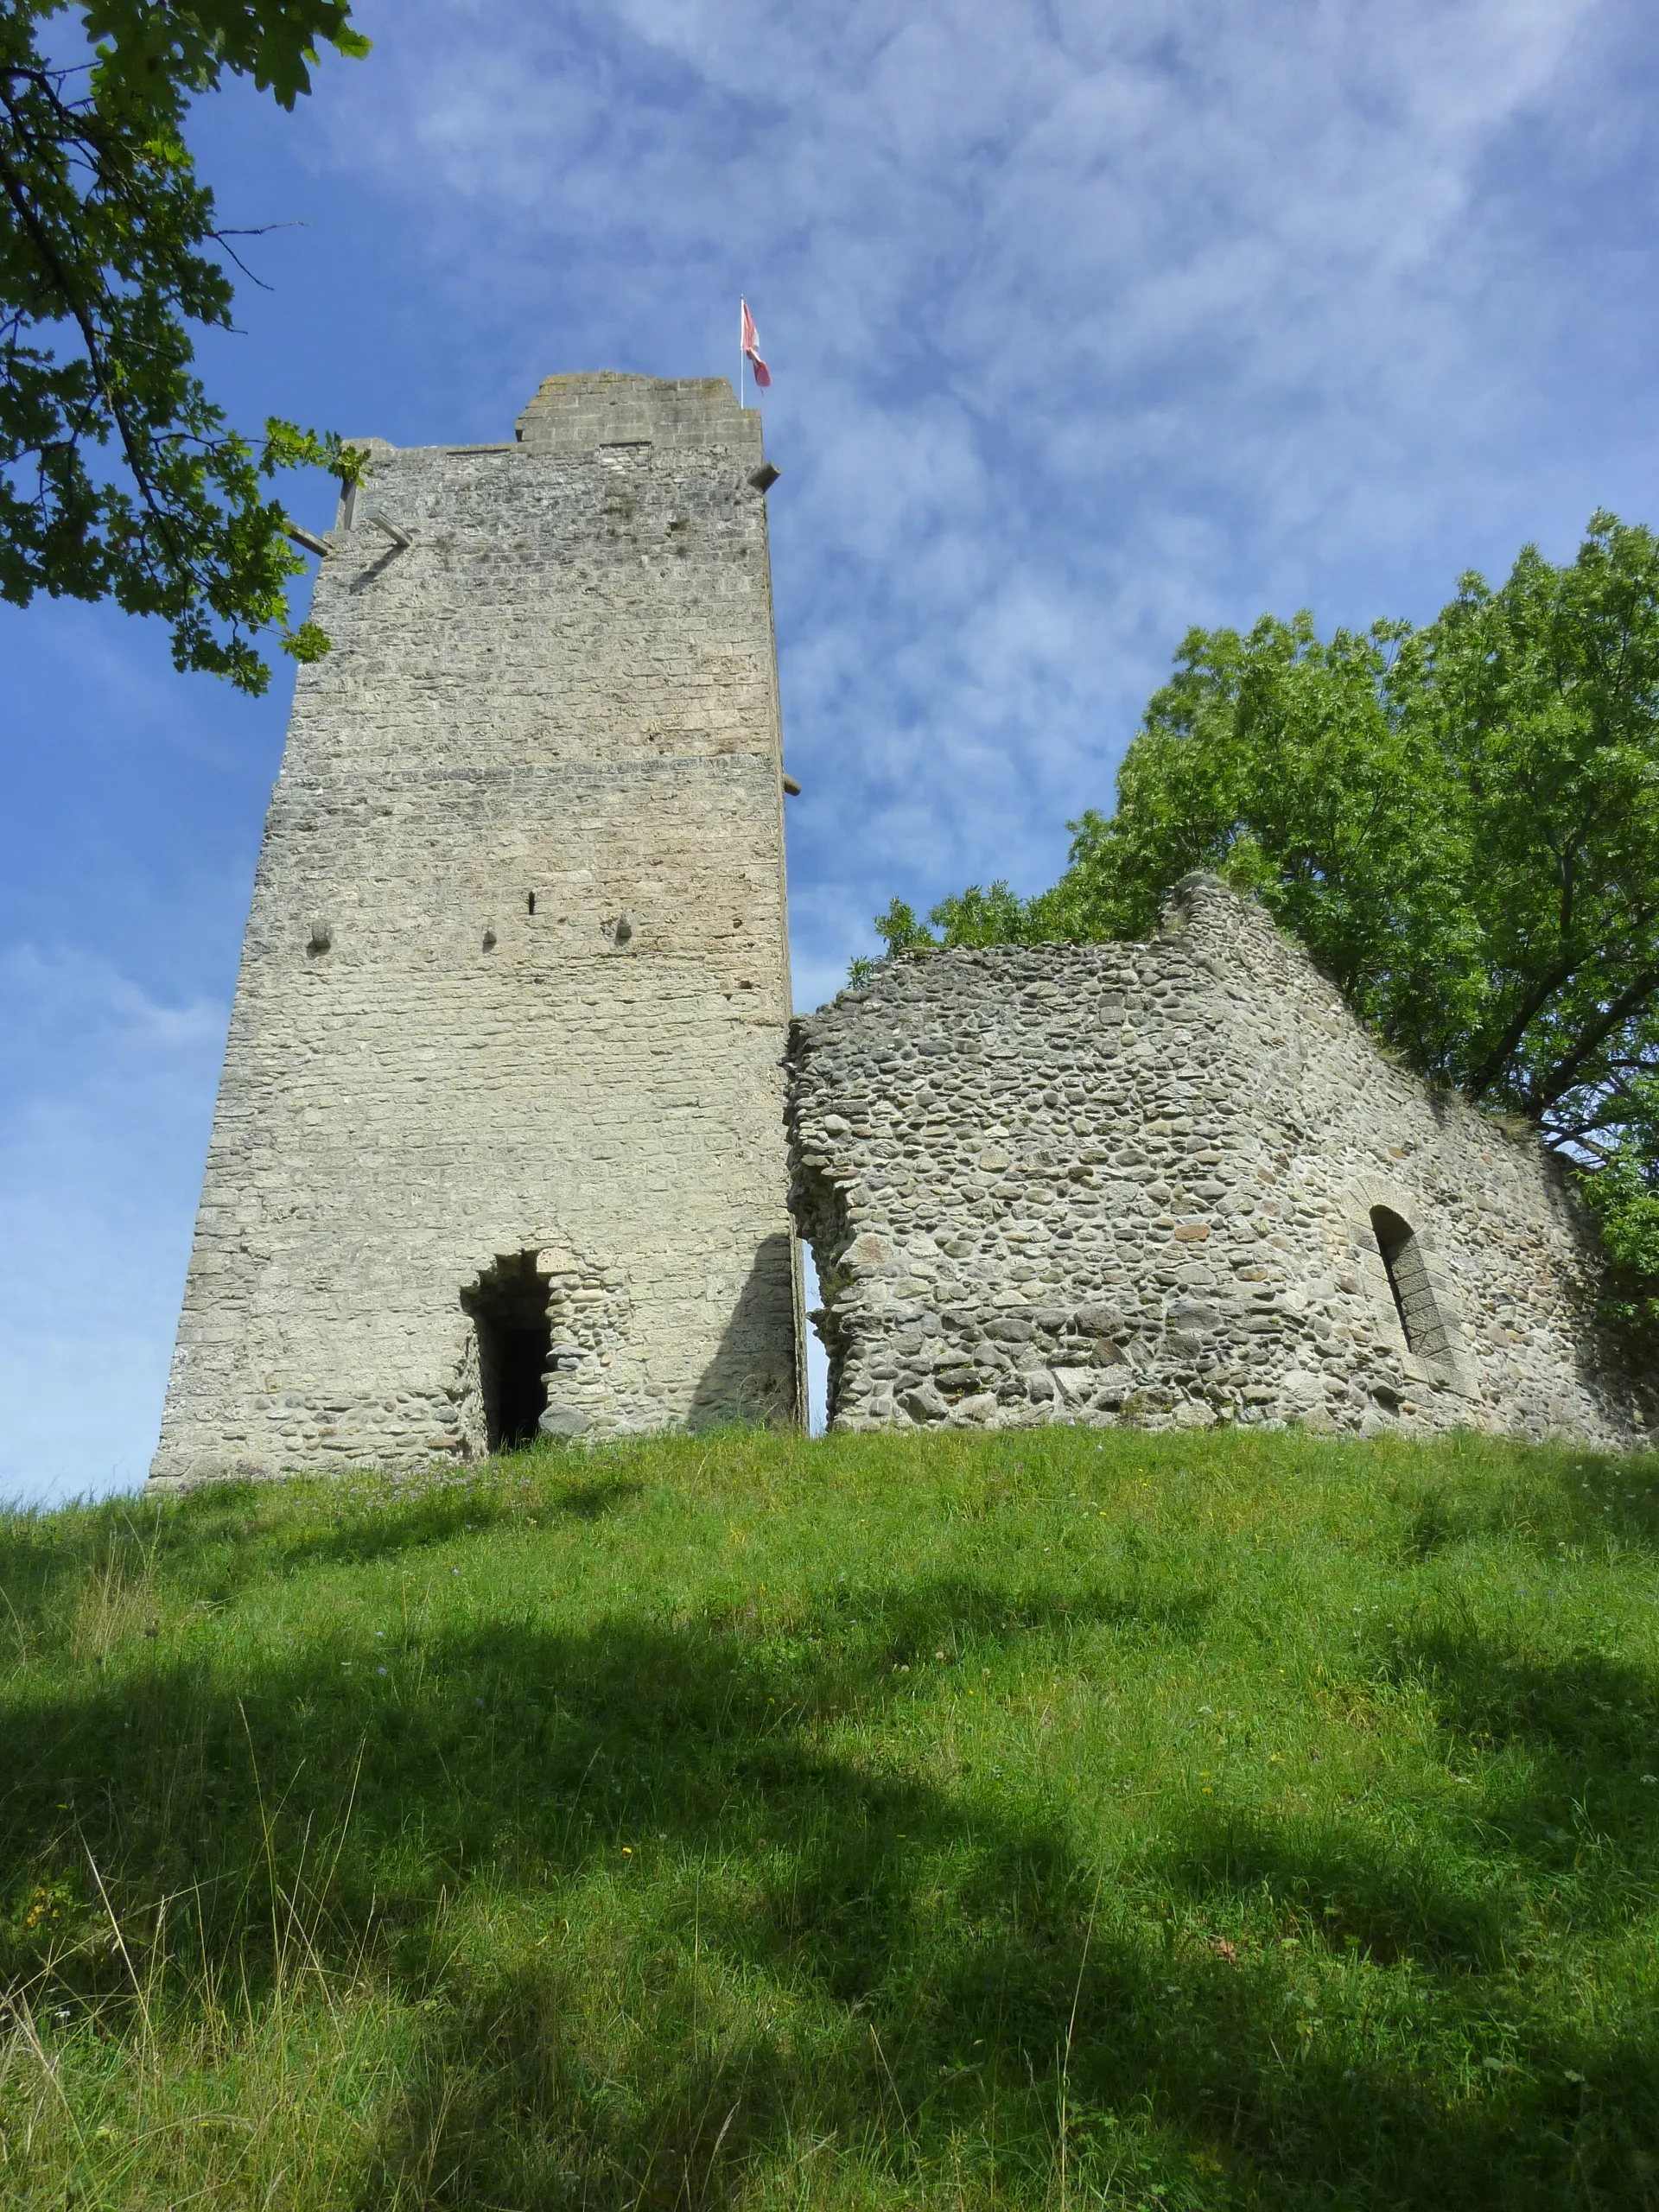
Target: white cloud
1088	323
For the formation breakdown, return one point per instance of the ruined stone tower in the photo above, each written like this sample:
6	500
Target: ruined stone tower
1178	1183
500	1133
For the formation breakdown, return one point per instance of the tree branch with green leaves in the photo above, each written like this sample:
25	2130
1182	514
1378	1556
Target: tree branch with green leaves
120	476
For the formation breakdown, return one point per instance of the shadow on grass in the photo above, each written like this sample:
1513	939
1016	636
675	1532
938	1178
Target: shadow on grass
1584	1731
504	2107
415	1514
1576	1497
216	1542
735	1942
1344	1885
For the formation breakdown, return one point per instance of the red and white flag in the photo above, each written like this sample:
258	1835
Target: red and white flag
749	339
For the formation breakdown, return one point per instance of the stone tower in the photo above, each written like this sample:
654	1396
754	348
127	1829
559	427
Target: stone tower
499	1139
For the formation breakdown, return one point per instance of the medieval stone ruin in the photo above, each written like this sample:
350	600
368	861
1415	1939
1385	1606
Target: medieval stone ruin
500	1144
1175	1184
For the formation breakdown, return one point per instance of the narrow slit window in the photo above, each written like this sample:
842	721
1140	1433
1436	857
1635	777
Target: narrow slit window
1414	1294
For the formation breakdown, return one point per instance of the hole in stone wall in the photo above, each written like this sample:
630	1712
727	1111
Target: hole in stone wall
530	902
820	1211
1414	1294
818	1360
509	1307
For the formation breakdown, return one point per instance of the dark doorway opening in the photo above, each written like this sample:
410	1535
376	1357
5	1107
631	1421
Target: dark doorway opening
508	1304
1414	1294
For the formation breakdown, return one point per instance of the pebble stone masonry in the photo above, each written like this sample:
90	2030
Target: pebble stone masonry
1174	1184
498	1138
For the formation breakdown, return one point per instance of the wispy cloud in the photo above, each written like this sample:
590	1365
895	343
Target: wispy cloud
1089	321
1089	324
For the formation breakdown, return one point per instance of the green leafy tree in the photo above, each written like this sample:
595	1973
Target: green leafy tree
119	477
1460	823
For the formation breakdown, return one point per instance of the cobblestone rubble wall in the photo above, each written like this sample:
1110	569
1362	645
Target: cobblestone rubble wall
1173	1184
515	980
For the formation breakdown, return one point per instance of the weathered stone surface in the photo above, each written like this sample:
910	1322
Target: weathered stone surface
1156	1183
515	981
564	1423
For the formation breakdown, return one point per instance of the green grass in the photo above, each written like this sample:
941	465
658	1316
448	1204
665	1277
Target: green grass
1058	1820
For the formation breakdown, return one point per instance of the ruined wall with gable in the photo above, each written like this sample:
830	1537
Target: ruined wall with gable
514	992
1173	1184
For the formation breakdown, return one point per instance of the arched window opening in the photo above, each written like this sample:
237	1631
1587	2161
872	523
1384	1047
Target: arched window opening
509	1307
1414	1294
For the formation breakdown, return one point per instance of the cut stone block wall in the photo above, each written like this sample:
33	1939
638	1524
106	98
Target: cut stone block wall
1173	1184
516	976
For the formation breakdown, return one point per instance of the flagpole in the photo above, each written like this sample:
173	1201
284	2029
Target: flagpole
740	349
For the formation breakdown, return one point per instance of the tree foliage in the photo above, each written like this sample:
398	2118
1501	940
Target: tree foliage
119	477
1461	823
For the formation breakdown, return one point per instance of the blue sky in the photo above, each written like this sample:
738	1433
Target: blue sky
1088	323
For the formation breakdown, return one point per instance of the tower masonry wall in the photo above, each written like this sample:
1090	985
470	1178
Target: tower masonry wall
514	994
1173	1184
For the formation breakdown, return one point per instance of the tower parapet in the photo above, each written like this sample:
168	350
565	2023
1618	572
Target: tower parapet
577	414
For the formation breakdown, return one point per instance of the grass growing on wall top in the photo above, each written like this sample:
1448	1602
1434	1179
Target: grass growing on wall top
1051	1820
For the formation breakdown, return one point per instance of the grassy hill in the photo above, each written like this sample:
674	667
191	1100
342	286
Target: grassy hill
1056	1819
